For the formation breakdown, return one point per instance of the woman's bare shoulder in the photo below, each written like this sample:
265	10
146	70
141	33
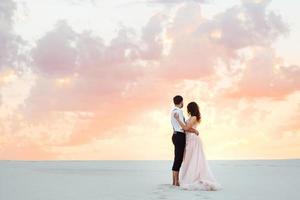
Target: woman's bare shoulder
193	118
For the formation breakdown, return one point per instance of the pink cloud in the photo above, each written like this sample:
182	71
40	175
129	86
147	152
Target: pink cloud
10	42
109	80
264	77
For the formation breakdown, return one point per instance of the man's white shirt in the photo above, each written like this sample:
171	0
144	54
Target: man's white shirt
175	124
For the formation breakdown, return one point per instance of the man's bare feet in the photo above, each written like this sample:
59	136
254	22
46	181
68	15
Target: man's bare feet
176	178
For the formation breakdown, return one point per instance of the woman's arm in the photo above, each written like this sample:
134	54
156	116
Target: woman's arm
187	126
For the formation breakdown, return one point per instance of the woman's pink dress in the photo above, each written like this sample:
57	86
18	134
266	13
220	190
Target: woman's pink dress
195	173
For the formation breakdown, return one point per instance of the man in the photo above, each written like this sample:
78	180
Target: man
178	138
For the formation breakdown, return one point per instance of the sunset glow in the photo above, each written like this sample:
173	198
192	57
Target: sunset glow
95	79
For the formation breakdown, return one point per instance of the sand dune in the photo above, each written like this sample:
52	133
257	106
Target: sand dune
127	180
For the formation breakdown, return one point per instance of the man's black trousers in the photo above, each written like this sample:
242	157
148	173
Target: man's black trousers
178	140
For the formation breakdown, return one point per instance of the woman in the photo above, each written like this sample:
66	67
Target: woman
195	173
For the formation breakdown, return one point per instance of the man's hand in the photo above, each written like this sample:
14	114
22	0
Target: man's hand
194	131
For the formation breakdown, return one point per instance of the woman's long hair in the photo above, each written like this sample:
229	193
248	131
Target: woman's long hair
193	110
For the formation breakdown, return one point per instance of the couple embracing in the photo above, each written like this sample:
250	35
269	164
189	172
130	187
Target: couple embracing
190	167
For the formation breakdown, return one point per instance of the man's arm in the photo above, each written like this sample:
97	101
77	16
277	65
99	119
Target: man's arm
193	131
190	129
187	126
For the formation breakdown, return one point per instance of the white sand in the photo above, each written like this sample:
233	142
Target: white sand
127	180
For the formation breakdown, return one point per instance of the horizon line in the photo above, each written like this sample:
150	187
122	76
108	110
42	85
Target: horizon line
153	160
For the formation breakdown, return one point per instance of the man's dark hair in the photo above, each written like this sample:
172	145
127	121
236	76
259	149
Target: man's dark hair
177	99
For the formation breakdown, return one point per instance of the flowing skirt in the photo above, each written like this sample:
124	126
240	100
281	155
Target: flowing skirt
195	173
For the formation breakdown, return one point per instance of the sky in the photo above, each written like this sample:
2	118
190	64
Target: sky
94	80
